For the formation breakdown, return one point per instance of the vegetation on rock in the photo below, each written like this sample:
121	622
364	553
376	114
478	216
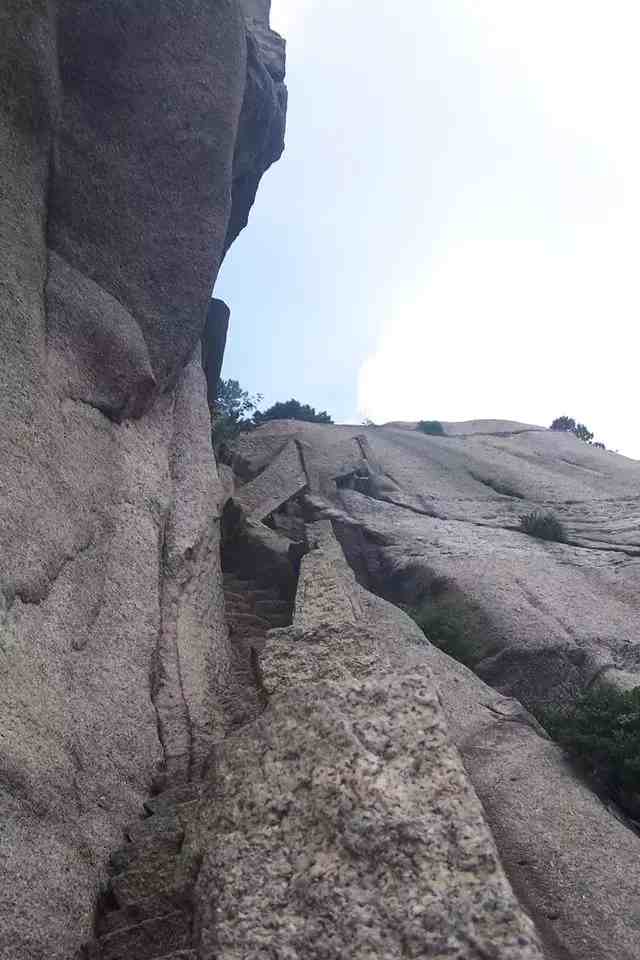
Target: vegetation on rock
229	415
582	432
432	427
601	730
504	489
235	411
544	525
454	624
292	410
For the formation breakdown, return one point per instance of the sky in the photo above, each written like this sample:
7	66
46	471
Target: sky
451	232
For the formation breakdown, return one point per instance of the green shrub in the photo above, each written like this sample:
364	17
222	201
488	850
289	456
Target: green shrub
229	414
504	489
565	424
292	410
602	731
580	430
432	427
544	526
453	623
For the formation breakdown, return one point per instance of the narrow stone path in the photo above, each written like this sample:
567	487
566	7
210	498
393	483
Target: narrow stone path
252	609
146	911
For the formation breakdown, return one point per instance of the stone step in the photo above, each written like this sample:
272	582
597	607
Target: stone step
279	620
239	585
159	874
180	955
149	939
159	825
145	909
239	602
169	799
241	636
244	621
245	589
265	593
161	842
265	608
256	641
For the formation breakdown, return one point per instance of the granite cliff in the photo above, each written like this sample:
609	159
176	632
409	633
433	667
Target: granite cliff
220	734
133	139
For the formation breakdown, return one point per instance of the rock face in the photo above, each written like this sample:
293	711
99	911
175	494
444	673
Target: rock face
120	124
262	120
422	515
429	520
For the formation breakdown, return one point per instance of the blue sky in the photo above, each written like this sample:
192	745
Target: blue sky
452	230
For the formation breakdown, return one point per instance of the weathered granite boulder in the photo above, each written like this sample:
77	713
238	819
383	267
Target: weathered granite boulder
118	129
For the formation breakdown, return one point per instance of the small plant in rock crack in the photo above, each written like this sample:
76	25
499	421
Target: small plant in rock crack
544	525
454	624
601	730
431	427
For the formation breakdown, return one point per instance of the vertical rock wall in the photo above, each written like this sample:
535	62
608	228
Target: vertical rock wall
119	128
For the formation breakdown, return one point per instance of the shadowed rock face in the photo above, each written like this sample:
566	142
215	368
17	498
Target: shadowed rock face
118	130
262	120
146	137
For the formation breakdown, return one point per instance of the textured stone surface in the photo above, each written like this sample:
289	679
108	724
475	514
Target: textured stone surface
445	510
574	865
118	129
283	479
341	823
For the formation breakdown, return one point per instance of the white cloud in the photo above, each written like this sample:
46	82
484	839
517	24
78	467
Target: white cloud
288	16
527	307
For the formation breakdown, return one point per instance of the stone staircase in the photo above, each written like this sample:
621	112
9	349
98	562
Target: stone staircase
147	911
252	609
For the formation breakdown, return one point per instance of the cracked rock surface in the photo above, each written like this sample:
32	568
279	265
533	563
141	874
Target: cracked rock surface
419	514
119	126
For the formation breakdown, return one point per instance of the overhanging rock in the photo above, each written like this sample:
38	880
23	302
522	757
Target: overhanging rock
282	480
